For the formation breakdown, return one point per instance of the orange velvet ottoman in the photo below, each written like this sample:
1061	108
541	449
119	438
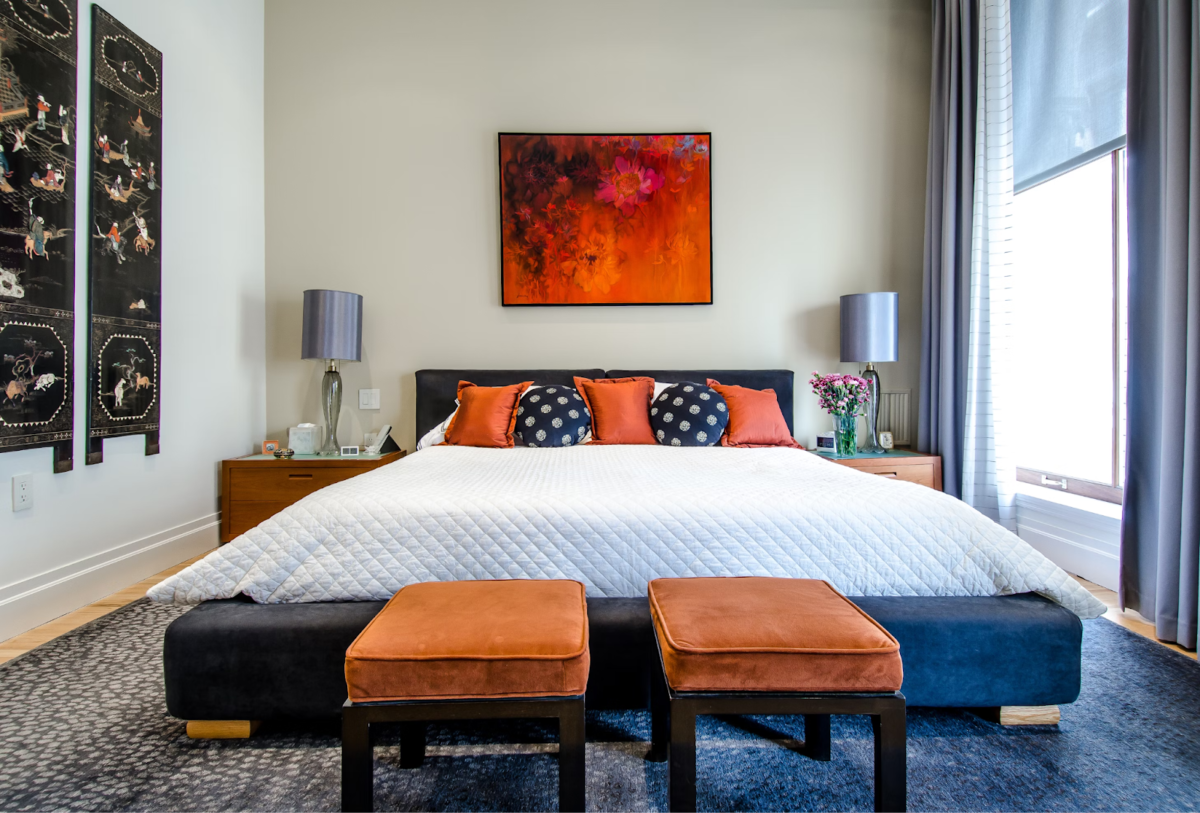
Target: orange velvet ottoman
772	646
468	650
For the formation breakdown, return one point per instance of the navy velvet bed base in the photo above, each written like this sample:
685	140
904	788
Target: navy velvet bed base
236	660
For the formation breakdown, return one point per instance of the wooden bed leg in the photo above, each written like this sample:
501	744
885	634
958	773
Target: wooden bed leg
221	729
1019	715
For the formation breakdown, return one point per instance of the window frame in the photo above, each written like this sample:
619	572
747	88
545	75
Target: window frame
1113	491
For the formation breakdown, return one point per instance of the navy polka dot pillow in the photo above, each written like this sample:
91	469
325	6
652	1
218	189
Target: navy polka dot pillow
552	416
687	414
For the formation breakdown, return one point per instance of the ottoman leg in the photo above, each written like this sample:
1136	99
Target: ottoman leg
816	737
681	772
358	791
660	715
412	744
891	758
572	777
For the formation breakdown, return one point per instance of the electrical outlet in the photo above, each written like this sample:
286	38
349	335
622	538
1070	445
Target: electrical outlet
22	487
368	399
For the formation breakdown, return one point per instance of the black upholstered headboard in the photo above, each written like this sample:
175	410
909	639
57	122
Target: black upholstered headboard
779	380
437	389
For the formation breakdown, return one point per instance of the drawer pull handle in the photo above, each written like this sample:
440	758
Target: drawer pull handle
299	476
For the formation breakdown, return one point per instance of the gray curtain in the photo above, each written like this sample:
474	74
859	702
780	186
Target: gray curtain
949	196
1160	531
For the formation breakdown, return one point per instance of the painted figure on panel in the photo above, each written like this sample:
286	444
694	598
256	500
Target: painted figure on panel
25	378
140	127
129	376
52	182
605	219
32	374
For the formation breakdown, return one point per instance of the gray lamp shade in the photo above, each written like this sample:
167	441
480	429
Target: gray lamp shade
332	325
871	327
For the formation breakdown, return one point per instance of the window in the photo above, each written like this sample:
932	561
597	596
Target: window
1069	65
1069	253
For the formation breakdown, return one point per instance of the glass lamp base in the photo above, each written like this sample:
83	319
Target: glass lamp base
331	404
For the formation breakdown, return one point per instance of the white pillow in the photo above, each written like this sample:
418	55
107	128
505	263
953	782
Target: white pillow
437	434
659	386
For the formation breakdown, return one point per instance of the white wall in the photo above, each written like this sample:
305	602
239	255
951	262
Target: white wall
1080	535
382	117
100	528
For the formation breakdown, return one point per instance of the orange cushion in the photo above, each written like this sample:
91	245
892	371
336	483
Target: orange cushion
620	409
769	635
439	640
486	416
755	418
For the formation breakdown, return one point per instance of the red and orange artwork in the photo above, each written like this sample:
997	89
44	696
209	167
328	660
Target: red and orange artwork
606	219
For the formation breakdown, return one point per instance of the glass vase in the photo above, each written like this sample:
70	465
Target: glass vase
845	430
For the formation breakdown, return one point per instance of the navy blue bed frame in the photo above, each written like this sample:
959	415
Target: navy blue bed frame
236	660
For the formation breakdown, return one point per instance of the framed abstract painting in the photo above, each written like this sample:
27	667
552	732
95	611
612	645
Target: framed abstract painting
606	219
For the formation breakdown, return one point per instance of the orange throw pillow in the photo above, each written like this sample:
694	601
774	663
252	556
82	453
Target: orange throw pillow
620	409
755	418
486	416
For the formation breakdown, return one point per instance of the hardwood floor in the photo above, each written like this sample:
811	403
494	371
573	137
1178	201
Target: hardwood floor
61	626
1128	618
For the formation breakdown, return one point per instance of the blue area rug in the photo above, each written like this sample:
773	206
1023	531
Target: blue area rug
83	725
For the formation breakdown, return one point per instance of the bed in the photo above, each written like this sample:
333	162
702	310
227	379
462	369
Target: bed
983	619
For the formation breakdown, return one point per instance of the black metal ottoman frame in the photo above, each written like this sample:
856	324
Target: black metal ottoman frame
357	744
673	732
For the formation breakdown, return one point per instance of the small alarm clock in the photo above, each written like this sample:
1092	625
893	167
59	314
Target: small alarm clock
349	451
885	440
826	442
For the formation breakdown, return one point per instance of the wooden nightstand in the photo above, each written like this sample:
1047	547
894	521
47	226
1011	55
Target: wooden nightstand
257	487
925	469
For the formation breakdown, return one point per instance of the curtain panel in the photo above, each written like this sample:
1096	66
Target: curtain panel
949	198
1160	530
967	286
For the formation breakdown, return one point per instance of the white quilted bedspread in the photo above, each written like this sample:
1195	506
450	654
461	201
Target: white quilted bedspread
614	517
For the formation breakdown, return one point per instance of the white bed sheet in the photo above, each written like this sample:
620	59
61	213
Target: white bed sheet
615	517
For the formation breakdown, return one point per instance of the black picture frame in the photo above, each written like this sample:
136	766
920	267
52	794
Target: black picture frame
501	161
124	245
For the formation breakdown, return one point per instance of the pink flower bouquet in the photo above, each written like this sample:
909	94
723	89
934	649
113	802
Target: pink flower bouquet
841	394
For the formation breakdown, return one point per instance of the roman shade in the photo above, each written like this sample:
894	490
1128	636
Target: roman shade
1069	59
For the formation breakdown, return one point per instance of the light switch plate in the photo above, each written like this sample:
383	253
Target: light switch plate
368	399
22	492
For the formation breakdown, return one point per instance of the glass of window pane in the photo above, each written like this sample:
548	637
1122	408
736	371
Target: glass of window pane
1063	254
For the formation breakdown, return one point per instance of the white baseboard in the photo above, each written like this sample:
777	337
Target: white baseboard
34	601
1080	541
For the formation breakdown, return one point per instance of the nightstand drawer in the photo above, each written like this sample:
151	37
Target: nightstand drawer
922	469
258	487
921	475
261	484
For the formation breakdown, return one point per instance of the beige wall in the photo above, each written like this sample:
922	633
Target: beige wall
381	124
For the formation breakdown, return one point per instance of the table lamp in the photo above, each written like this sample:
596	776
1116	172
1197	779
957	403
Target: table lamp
871	333
333	332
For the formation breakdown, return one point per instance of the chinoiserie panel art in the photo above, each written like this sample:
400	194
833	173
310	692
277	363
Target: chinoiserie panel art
37	217
606	219
124	256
